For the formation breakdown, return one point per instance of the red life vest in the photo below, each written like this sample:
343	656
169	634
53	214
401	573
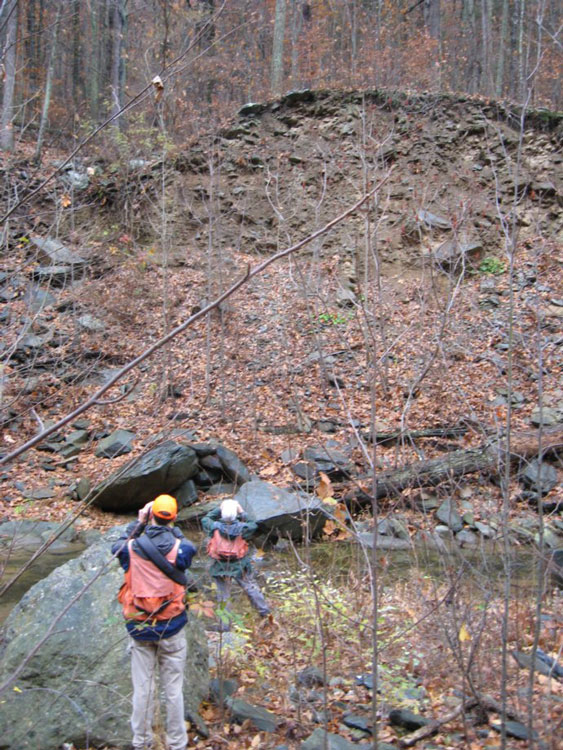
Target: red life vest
147	593
224	548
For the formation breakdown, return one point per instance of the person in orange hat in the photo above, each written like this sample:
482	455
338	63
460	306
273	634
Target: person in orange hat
154	556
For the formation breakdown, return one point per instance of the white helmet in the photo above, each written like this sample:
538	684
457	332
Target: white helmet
229	510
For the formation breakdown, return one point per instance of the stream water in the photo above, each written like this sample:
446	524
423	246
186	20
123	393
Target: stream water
11	564
479	567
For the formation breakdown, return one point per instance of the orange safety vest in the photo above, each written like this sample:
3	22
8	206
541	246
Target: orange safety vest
147	593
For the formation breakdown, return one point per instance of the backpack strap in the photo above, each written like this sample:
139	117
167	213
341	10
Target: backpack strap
156	557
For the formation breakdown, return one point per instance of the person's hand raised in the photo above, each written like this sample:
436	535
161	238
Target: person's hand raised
145	513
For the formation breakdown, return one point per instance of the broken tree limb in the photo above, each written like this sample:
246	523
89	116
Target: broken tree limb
442	433
486	702
434	726
488	458
250	273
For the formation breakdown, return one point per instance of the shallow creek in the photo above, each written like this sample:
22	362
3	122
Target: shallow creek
473	567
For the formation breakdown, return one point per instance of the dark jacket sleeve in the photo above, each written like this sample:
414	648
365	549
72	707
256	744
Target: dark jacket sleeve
186	552
120	549
208	521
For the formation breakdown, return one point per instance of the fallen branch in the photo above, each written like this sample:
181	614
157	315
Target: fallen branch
451	433
117	399
484	701
434	726
488	458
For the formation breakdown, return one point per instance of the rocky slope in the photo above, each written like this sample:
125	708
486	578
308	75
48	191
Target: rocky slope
404	314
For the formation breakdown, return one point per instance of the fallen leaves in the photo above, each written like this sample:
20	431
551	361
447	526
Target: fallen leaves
464	634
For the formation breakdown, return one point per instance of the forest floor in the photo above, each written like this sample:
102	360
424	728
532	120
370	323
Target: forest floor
289	362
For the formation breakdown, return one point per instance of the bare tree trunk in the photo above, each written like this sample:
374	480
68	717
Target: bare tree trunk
48	88
76	45
521	63
117	21
277	49
297	18
6	122
473	75
94	74
432	17
485	43
501	49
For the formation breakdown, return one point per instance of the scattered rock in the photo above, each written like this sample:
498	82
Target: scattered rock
90	323
545	417
466	538
83	488
41	493
186	494
77	437
539	477
556	566
55	275
258	717
194	513
38	299
289	455
323	740
515	729
220	690
485	530
305	470
330	459
543	663
56	253
310	677
116	444
453	253
399	528
402	717
232	466
383	542
449	516
75	179
355	721
550	538
431	221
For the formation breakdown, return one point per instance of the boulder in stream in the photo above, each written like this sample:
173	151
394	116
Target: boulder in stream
280	512
158	471
76	688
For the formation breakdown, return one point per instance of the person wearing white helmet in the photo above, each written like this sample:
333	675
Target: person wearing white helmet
229	531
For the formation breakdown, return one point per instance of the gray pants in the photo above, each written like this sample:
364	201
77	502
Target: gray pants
250	588
170	656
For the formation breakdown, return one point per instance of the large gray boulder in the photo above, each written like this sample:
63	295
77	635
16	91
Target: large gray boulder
161	470
280	512
77	687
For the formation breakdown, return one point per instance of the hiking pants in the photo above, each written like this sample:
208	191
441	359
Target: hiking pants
170	656
248	585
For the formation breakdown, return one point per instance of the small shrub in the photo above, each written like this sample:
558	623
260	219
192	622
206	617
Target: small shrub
332	319
492	265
